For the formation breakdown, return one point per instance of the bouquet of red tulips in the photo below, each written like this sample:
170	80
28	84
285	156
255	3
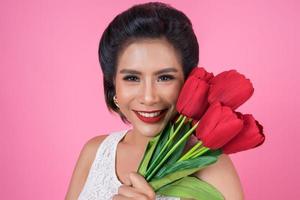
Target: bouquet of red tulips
206	107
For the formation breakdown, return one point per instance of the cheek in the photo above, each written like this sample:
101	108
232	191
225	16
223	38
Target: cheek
125	92
172	93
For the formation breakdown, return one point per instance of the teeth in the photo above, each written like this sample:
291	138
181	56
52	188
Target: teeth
150	114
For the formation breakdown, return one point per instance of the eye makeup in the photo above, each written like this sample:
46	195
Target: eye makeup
165	77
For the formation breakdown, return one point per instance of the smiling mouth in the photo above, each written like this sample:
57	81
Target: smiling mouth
152	111
151	117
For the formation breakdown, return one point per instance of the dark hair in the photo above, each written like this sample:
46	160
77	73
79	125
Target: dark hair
145	21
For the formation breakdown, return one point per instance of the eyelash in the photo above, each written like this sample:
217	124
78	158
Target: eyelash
126	78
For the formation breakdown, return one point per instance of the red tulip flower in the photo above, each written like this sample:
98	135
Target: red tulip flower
218	126
249	137
192	101
230	88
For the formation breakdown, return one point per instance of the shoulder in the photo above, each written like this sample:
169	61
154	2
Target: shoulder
88	152
83	165
89	149
224	177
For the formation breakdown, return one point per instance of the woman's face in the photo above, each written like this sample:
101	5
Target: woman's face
149	77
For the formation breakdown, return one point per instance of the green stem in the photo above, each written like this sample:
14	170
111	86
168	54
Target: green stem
186	156
172	149
195	152
165	146
200	152
179	118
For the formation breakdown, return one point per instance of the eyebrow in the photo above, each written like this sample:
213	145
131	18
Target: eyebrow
132	71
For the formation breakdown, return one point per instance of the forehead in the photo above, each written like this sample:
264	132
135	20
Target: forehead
148	54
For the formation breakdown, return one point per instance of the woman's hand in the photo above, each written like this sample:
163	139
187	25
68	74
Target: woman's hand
136	189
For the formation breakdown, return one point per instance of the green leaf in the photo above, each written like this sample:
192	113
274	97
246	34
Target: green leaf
178	152
181	169
155	166
200	161
211	152
158	150
158	183
162	141
153	149
191	187
148	154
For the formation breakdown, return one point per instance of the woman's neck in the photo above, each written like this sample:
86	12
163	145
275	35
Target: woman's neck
137	140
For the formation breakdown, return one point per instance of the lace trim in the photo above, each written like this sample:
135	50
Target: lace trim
102	182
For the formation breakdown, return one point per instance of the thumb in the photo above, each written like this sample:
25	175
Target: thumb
139	182
127	181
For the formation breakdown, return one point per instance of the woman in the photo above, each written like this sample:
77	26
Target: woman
146	54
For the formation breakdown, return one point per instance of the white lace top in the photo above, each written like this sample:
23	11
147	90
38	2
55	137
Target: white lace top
102	182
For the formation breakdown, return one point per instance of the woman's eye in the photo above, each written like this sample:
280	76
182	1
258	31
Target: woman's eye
166	77
130	78
161	78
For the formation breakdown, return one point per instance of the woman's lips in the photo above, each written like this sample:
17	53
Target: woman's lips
152	111
151	119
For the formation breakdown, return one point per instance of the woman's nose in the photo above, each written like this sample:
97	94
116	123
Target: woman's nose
149	94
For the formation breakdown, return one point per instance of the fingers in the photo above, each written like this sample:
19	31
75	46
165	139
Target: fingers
137	197
141	184
120	197
127	181
139	181
137	188
128	191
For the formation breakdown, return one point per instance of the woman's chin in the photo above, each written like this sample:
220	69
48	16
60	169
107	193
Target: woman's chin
151	130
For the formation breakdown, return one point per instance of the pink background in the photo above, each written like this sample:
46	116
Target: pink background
51	93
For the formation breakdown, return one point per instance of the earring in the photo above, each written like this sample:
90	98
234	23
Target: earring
116	101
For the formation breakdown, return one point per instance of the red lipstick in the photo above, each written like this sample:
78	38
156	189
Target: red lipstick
151	119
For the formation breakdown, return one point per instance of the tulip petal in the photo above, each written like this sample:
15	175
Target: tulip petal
209	120
227	128
230	88
218	126
201	73
249	137
193	98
